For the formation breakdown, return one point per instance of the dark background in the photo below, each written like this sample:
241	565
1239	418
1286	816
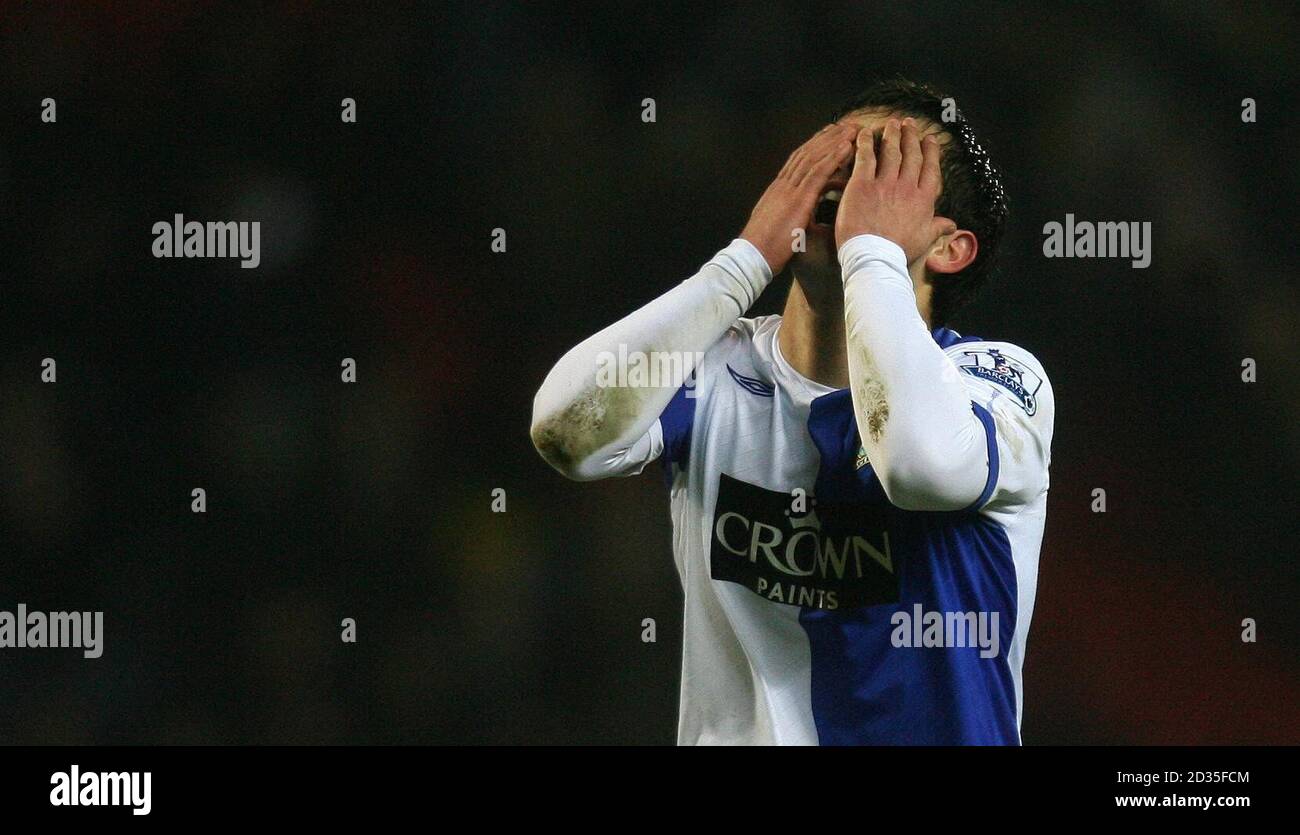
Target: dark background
372	500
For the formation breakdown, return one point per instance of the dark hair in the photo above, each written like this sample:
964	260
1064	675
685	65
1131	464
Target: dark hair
972	188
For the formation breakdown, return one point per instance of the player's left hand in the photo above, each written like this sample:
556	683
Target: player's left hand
892	194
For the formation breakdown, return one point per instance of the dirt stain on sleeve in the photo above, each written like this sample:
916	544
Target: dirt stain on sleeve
593	420
869	397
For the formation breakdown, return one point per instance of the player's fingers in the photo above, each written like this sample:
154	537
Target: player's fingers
799	156
823	143
910	146
864	165
825	134
842	152
831	147
822	169
825	140
891	156
796	166
930	154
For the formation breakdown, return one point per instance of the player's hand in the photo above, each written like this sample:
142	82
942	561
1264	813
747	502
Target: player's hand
788	202
892	194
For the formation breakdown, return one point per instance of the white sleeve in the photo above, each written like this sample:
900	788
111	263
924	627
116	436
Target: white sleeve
588	428
931	438
1007	383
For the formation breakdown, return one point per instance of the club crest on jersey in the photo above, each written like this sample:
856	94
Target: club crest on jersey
1016	377
830	557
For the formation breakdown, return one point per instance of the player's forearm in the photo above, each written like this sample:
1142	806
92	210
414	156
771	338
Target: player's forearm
579	421
913	412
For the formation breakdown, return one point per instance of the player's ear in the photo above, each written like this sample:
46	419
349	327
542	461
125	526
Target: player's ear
952	253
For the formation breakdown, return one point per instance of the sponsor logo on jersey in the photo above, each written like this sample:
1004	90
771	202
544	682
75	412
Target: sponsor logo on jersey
1016	377
830	557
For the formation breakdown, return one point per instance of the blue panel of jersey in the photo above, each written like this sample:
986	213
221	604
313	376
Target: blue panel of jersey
866	691
677	421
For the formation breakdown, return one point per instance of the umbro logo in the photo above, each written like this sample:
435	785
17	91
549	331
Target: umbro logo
753	385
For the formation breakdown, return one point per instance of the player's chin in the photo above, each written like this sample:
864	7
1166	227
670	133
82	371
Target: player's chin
821	240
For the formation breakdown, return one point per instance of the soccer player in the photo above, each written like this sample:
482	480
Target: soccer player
858	492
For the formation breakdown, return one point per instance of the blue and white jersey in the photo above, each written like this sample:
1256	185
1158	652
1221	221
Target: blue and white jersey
815	610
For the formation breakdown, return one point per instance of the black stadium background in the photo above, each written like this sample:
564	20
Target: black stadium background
373	501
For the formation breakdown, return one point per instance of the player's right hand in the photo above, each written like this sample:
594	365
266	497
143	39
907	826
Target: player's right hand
788	203
892	193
